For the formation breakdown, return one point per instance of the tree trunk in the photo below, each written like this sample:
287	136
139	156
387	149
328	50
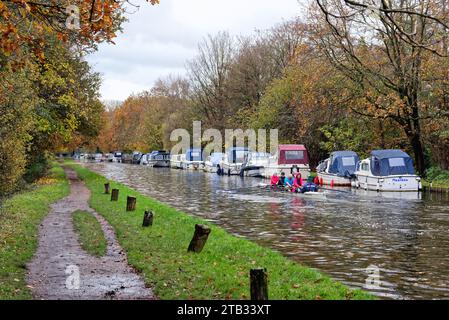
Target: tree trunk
418	150
199	238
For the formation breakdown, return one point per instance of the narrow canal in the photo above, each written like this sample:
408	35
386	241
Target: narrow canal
349	235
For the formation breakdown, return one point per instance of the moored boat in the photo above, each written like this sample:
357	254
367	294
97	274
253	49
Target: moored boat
387	170
176	160
254	164
159	159
338	169
212	162
289	158
233	160
193	160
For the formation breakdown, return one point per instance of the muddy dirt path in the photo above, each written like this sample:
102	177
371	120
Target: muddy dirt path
52	273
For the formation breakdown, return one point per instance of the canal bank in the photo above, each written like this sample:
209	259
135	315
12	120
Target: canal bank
20	217
220	271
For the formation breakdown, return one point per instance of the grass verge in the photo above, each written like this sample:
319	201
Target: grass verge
220	271
19	220
91	235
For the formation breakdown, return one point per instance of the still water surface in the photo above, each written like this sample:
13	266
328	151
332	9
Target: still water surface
347	234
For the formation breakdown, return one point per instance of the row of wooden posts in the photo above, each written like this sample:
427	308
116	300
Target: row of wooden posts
258	277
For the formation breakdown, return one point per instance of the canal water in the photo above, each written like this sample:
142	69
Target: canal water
395	245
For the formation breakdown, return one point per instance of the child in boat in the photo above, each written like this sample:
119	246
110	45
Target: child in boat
274	180
288	182
281	179
297	182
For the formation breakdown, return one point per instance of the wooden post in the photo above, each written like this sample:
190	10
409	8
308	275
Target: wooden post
114	195
259	287
131	203
106	188
148	218
199	238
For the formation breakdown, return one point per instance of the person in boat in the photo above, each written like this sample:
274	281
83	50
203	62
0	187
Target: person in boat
281	179
297	182
308	187
288	182
274	180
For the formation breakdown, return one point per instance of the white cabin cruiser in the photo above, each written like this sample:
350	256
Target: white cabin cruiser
212	162
158	159
233	160
176	161
387	170
338	169
254	164
289	158
193	160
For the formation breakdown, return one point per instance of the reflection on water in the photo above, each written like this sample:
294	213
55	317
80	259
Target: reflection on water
342	234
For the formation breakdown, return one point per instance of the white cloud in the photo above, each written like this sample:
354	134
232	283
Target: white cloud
158	40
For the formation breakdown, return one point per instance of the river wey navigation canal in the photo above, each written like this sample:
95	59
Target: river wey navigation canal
347	235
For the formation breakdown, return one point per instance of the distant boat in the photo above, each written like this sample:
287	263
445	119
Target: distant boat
254	164
339	168
157	159
176	160
289	158
212	162
193	160
233	160
387	170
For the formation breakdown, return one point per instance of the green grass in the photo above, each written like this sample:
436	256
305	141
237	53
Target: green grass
19	220
91	235
220	271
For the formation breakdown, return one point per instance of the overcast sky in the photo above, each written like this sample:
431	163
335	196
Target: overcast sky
159	40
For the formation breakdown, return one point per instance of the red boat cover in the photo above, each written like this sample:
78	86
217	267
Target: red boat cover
292	154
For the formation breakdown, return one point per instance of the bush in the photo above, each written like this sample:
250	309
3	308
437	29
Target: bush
437	174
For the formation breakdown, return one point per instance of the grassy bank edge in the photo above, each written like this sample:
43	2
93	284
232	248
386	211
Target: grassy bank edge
219	272
91	236
20	217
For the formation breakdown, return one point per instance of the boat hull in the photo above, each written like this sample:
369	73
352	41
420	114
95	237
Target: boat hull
159	163
209	168
231	168
253	171
333	179
192	165
399	183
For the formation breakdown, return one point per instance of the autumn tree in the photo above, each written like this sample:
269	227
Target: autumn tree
384	48
208	73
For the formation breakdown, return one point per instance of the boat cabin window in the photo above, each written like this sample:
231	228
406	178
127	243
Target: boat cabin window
294	155
396	162
364	166
240	156
348	161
